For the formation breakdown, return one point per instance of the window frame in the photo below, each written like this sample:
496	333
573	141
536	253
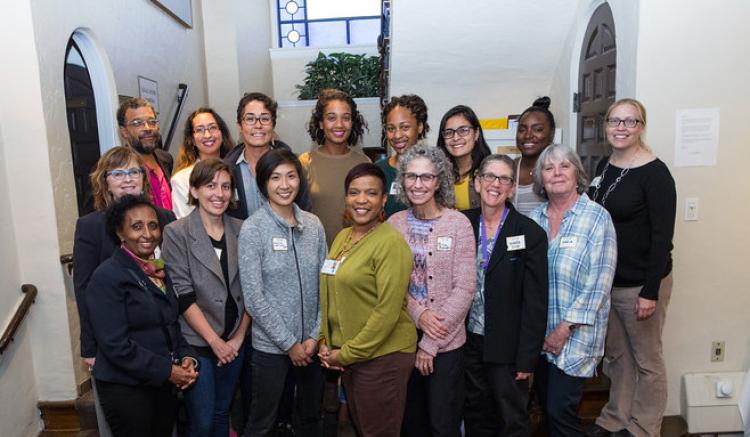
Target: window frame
304	22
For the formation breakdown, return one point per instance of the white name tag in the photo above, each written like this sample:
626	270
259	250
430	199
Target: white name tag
568	242
395	189
444	244
595	183
516	242
279	244
330	266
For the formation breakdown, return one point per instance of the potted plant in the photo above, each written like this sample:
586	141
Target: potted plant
357	75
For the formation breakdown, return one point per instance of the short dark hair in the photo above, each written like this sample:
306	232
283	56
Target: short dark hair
268	102
327	95
131	103
270	161
413	103
541	105
362	170
204	172
115	215
480	151
189	151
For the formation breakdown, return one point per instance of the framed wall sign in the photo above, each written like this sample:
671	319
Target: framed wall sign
148	89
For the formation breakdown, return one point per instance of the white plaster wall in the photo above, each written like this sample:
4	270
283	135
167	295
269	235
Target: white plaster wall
255	37
496	56
695	57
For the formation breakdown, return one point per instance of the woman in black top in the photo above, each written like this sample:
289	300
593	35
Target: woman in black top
639	193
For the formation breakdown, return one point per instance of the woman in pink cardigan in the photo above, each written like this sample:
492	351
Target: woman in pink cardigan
441	289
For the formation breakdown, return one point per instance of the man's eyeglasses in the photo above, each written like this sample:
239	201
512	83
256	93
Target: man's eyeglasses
489	178
119	175
138	123
250	119
461	131
628	122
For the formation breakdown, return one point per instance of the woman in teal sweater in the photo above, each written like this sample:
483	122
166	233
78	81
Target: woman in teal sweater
365	329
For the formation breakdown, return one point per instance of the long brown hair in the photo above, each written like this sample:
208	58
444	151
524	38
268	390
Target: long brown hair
189	151
114	158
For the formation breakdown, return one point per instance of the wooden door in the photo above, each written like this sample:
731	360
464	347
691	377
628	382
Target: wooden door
596	86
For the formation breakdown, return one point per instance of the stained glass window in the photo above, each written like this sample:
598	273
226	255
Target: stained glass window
325	23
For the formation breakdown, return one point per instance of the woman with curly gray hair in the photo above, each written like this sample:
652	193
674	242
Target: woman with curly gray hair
441	289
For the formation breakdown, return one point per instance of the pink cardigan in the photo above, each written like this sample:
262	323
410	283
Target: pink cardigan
451	275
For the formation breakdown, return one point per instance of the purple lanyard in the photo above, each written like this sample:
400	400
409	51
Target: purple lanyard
483	237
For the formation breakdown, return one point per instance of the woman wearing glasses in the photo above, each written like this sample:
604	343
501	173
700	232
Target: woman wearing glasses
205	136
441	288
639	193
508	316
335	126
462	139
404	123
536	131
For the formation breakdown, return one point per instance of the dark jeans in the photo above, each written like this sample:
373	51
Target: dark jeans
207	401
269	378
496	404
138	410
559	395
434	403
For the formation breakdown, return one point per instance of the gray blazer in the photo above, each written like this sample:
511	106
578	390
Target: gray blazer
194	268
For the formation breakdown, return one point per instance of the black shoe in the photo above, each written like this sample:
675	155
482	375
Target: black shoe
623	433
597	431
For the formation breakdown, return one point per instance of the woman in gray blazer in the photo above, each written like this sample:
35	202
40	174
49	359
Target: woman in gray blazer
200	251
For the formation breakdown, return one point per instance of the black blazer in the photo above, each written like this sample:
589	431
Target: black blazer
134	323
515	293
166	162
91	247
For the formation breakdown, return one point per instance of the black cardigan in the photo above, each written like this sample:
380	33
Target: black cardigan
515	293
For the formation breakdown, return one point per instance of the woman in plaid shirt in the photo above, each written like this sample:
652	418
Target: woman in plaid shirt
582	256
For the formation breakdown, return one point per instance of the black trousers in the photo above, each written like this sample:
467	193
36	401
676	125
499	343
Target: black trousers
496	404
559	395
434	403
269	373
138	410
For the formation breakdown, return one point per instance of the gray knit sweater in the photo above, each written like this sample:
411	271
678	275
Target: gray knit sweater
279	270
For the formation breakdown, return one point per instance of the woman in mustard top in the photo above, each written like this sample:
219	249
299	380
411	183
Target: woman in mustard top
365	329
461	138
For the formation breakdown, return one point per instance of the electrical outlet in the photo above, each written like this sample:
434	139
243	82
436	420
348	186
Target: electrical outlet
691	209
717	351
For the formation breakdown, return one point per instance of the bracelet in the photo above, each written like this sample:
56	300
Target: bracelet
195	362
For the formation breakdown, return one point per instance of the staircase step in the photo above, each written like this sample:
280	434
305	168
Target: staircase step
86	409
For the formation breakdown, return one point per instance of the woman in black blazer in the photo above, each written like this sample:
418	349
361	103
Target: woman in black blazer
118	172
142	358
507	320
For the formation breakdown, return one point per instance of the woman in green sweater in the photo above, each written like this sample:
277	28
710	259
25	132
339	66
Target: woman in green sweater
365	329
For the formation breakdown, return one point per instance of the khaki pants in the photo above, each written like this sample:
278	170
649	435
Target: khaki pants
638	394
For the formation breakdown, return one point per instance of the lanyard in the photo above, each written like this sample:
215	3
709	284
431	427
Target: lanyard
483	237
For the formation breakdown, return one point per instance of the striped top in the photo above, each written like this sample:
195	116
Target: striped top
526	200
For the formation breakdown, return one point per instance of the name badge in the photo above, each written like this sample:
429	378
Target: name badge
595	183
330	266
568	242
395	189
444	244
516	242
279	244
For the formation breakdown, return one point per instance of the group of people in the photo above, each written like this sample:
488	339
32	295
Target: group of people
439	283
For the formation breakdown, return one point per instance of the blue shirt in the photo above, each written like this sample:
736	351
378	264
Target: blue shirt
253	197
582	259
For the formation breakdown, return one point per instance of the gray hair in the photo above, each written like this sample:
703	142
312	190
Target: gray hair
558	153
505	159
444	195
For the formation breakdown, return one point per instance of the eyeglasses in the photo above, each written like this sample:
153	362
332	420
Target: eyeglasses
201	130
119	175
250	119
138	123
489	178
426	178
628	122
461	131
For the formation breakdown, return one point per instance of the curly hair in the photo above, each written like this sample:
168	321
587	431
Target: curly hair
268	102
444	195
359	125
115	157
480	151
115	215
189	151
413	103
557	153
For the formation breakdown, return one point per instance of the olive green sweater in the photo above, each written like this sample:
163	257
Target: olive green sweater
368	294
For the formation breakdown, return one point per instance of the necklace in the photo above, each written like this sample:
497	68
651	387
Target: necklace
613	185
349	245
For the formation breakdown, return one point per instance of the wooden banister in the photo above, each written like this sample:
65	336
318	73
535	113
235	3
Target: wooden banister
23	309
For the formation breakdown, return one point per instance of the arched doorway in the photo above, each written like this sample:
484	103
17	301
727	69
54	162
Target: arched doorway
596	86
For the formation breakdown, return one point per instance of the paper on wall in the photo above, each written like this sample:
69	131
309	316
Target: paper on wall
696	137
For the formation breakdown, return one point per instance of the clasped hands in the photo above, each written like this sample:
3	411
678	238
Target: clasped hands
301	353
184	374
